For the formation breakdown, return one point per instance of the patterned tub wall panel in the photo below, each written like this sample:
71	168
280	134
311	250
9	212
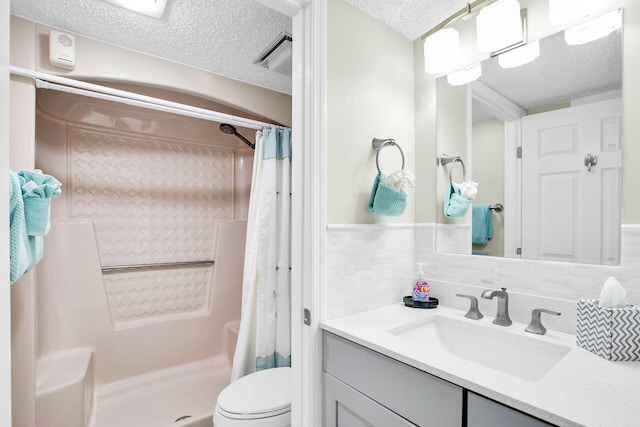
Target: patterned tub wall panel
367	266
136	327
152	199
137	297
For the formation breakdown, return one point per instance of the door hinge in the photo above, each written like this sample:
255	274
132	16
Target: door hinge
307	317
518	251
519	152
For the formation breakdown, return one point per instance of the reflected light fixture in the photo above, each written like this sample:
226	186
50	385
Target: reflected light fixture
441	51
462	77
520	56
499	26
565	11
152	8
594	29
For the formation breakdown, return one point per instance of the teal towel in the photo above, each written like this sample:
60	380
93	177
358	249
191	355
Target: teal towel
481	224
386	200
455	206
21	246
25	238
37	191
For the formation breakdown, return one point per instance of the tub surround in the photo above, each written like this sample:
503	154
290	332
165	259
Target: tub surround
582	389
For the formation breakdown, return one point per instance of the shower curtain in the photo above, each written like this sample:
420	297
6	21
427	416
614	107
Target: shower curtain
264	337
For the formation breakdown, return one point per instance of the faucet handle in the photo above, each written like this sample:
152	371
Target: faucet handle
535	326
474	312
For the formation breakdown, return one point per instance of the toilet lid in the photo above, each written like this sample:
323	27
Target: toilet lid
258	394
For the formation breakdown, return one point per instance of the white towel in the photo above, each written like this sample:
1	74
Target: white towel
401	179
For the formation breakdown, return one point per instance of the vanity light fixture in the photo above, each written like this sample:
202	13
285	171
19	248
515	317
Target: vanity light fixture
499	26
565	11
152	8
462	77
594	29
520	56
441	51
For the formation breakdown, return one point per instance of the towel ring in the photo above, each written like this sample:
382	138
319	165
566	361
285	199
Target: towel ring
379	144
464	171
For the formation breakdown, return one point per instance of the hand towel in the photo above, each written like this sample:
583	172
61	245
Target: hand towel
21	250
37	191
481	224
455	206
386	200
28	191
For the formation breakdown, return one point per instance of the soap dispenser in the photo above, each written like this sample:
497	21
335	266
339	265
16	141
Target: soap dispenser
421	288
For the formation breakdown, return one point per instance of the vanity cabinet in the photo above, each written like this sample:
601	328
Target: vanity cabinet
364	388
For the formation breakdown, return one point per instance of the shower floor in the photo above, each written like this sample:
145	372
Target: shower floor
159	398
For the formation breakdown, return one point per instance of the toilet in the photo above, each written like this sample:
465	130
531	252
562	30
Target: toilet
260	399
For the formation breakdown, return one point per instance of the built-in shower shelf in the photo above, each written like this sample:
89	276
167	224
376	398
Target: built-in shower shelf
64	388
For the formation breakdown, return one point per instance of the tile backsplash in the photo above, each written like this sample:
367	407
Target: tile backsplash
369	266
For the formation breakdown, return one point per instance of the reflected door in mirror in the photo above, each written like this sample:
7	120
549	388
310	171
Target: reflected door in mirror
571	212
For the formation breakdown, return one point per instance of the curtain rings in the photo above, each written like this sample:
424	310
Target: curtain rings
464	171
377	145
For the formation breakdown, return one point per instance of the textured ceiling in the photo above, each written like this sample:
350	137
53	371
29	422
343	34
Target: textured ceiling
225	36
221	36
560	74
411	18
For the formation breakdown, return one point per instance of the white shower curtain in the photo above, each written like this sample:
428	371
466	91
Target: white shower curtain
264	338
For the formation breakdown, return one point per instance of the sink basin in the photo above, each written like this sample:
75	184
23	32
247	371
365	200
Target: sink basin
522	356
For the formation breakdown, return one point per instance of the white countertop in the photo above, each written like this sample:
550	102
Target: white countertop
582	389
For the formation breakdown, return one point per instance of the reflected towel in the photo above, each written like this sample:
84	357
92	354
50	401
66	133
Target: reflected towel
481	224
455	206
385	199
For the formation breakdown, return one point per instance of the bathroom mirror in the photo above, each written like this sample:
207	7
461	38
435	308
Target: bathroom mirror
544	141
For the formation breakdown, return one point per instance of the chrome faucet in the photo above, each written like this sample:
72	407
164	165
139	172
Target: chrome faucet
502	317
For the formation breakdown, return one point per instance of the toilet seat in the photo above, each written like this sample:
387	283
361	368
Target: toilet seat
262	394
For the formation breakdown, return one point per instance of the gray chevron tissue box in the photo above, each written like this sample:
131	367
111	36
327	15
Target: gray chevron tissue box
611	333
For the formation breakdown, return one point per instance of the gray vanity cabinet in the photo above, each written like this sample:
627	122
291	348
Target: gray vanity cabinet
365	388
482	412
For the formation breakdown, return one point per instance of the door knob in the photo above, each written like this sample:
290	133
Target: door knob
590	160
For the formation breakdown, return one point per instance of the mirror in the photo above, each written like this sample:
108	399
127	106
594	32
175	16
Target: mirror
543	140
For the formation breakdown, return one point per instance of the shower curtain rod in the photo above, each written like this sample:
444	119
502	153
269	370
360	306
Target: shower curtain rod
64	84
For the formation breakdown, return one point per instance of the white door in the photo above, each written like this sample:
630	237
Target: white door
570	213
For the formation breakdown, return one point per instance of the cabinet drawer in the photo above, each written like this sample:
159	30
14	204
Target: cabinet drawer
421	398
482	412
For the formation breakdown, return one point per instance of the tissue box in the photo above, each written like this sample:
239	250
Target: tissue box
611	333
